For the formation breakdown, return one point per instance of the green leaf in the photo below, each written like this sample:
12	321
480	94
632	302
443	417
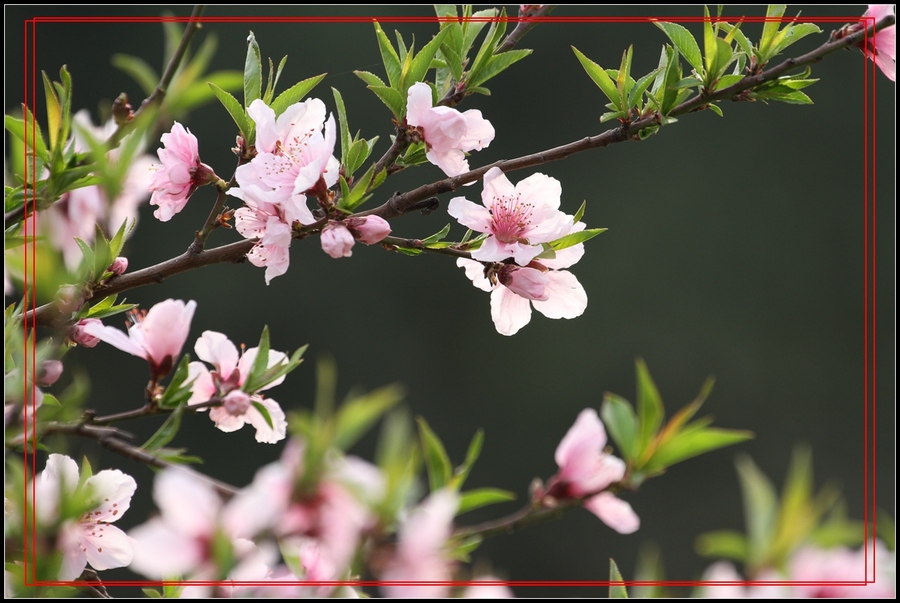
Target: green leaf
649	406
784	94
621	422
436	460
735	32
110	311
438	236
488	47
792	34
774	13
727	80
616	591
344	126
710	48
237	113
252	71
600	77
359	152
392	99
358	195
264	412
497	64
462	472
167	431
139	71
54	115
624	81
369	78
635	96
465	548
715	109
684	41
726	544
295	93
421	63
178	391
260	364
760	508
151	593
690	443
580	213
575	238
29	134
357	415
49	400
482	497
388	56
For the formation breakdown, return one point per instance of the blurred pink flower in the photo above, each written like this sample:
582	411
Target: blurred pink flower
78	335
90	538
292	153
157	337
231	371
179	175
882	47
584	469
448	133
420	554
517	218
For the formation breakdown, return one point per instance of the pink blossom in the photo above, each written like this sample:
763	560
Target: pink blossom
368	229
231	371
179	175
50	371
554	293
78	335
292	153
337	240
119	266
90	538
420	554
517	218
272	223
585	469
882	47
178	542
157	337
448	133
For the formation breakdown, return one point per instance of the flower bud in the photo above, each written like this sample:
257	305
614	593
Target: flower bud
337	241
119	266
121	110
49	372
78	335
369	230
69	299
236	403
524	282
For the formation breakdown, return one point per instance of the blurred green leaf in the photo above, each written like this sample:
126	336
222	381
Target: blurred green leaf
167	431
474	451
649	406
760	509
436	460
357	414
482	497
726	544
621	422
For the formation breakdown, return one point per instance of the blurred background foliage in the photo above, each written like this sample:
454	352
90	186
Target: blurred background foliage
735	249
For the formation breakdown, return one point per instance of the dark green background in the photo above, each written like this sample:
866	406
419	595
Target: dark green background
735	248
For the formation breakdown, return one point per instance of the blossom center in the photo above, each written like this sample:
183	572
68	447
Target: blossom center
510	218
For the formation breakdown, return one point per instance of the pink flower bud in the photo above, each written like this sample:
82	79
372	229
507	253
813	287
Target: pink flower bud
119	266
236	403
524	282
78	335
337	241
49	373
369	230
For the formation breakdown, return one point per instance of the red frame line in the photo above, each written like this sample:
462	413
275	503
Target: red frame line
29	333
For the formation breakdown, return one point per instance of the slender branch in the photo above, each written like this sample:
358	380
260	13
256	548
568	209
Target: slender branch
522	28
111	439
212	221
400	204
401	142
158	95
524	517
146	410
394	242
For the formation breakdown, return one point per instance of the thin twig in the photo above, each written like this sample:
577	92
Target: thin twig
522	28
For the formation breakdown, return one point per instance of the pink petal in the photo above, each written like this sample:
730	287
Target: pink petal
162	551
475	273
265	433
111	492
107	547
587	437
614	512
215	348
568	298
509	311
469	214
187	503
115	338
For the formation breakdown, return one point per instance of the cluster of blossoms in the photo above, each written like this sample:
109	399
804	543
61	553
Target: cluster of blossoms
814	568
517	221
159	336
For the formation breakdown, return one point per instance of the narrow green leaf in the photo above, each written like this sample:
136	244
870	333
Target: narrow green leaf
54	114
151	593
166	433
684	41
252	71
621	422
499	63
600	77
580	213
616	591
344	126
760	508
28	132
139	71
715	109
649	406
369	78
488	46
236	111
728	80
462	472
689	444
622	80
295	93
783	94
710	48
774	12
388	56
724	58
392	99
264	412
260	363
726	544
358	414
792	34
576	237
482	497
635	96
438	236
436	460
422	62
110	311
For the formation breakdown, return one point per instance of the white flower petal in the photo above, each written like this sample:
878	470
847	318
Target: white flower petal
509	311
568	298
